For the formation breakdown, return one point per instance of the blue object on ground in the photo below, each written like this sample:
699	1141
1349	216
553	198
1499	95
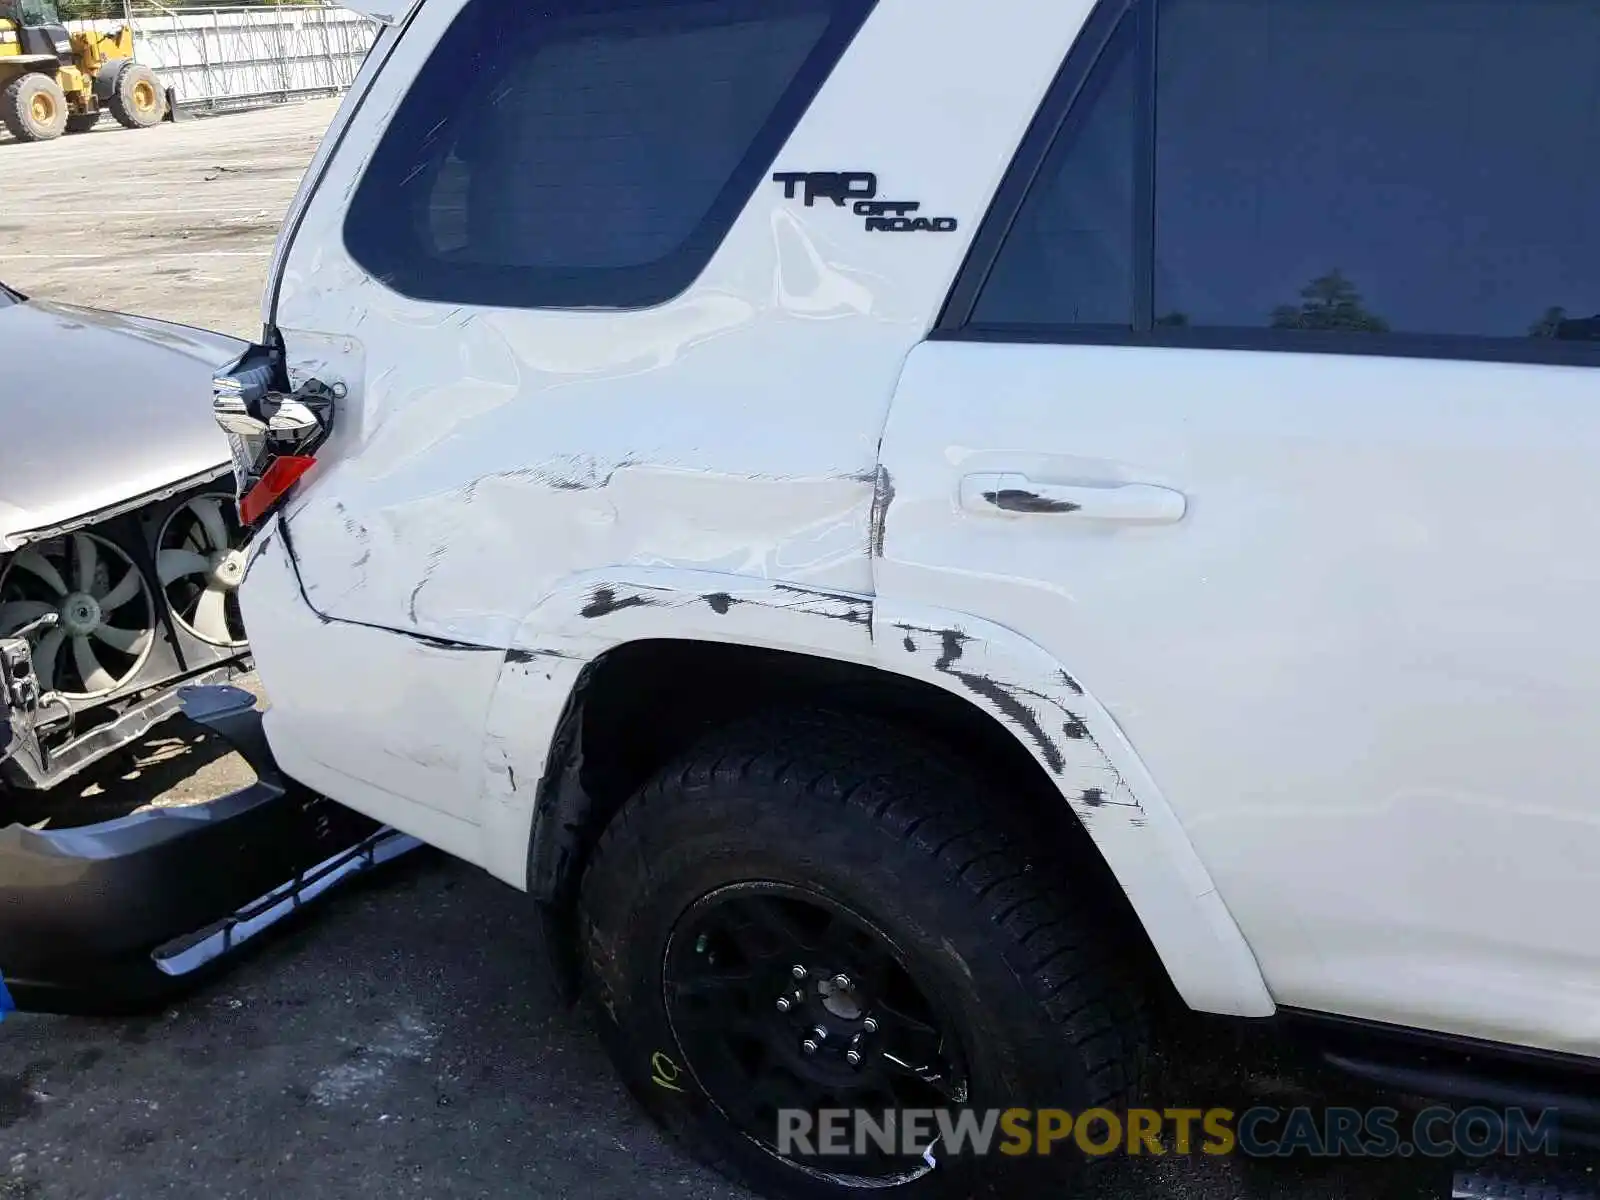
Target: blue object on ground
7	1004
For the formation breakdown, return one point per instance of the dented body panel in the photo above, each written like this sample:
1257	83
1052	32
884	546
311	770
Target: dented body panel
482	805
1127	558
484	455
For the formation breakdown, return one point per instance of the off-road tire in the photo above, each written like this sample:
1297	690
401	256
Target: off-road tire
34	108
881	822
137	100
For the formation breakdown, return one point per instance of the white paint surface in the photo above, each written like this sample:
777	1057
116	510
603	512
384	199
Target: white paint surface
1338	702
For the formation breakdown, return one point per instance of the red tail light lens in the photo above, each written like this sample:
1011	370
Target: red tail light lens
276	480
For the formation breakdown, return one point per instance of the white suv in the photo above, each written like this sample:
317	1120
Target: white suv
885	518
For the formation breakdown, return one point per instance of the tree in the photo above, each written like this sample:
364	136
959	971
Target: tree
1330	302
1558	326
1549	325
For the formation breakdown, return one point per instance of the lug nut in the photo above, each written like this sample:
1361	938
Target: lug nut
818	1032
870	1025
783	1004
798	972
853	1057
842	982
808	1046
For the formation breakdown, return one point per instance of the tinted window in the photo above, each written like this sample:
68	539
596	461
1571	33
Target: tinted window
1069	258
1416	166
1362	167
587	153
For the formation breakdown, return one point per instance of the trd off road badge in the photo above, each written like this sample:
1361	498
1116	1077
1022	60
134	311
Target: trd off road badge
859	189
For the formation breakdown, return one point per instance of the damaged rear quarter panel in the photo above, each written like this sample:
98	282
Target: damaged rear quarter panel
483	456
1013	680
557	483
592	614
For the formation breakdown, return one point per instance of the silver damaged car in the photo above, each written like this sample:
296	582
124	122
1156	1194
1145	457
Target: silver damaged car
120	547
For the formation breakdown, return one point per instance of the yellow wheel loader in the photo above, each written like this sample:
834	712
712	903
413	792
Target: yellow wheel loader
54	82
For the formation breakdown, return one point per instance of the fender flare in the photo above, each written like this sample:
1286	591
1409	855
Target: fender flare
1009	677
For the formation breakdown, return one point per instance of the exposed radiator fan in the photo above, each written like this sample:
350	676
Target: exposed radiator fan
105	613
200	558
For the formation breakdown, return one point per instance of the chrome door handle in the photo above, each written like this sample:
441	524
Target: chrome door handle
1004	493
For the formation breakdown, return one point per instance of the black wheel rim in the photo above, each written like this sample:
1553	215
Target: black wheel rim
781	998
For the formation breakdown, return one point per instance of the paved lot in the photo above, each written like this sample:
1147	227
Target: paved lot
175	222
401	1045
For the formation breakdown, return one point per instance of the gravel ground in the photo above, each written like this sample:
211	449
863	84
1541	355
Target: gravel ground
174	222
401	1044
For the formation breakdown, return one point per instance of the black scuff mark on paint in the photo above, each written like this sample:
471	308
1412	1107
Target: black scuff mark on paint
438	643
524	656
1003	697
955	644
567	474
836	606
882	498
352	526
911	646
515	657
435	557
511	776
1093	797
256	553
299	579
721	602
1009	699
604	601
1019	500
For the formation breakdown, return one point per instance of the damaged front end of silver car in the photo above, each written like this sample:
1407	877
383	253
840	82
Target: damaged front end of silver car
126	914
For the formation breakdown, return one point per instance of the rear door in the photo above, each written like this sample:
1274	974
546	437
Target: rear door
1267	402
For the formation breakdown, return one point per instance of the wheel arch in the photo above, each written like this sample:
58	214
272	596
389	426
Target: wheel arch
610	649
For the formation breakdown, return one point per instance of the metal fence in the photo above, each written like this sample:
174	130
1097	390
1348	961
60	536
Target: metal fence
217	58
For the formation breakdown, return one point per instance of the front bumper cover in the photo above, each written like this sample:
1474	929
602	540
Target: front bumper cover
125	914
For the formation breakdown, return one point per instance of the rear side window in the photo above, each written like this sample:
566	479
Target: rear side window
1070	257
1408	176
587	153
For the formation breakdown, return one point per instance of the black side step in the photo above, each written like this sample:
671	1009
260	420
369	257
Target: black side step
1463	1071
1500	1185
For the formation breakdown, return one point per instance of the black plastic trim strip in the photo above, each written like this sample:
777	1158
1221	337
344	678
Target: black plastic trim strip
1359	1029
1459	349
1144	169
